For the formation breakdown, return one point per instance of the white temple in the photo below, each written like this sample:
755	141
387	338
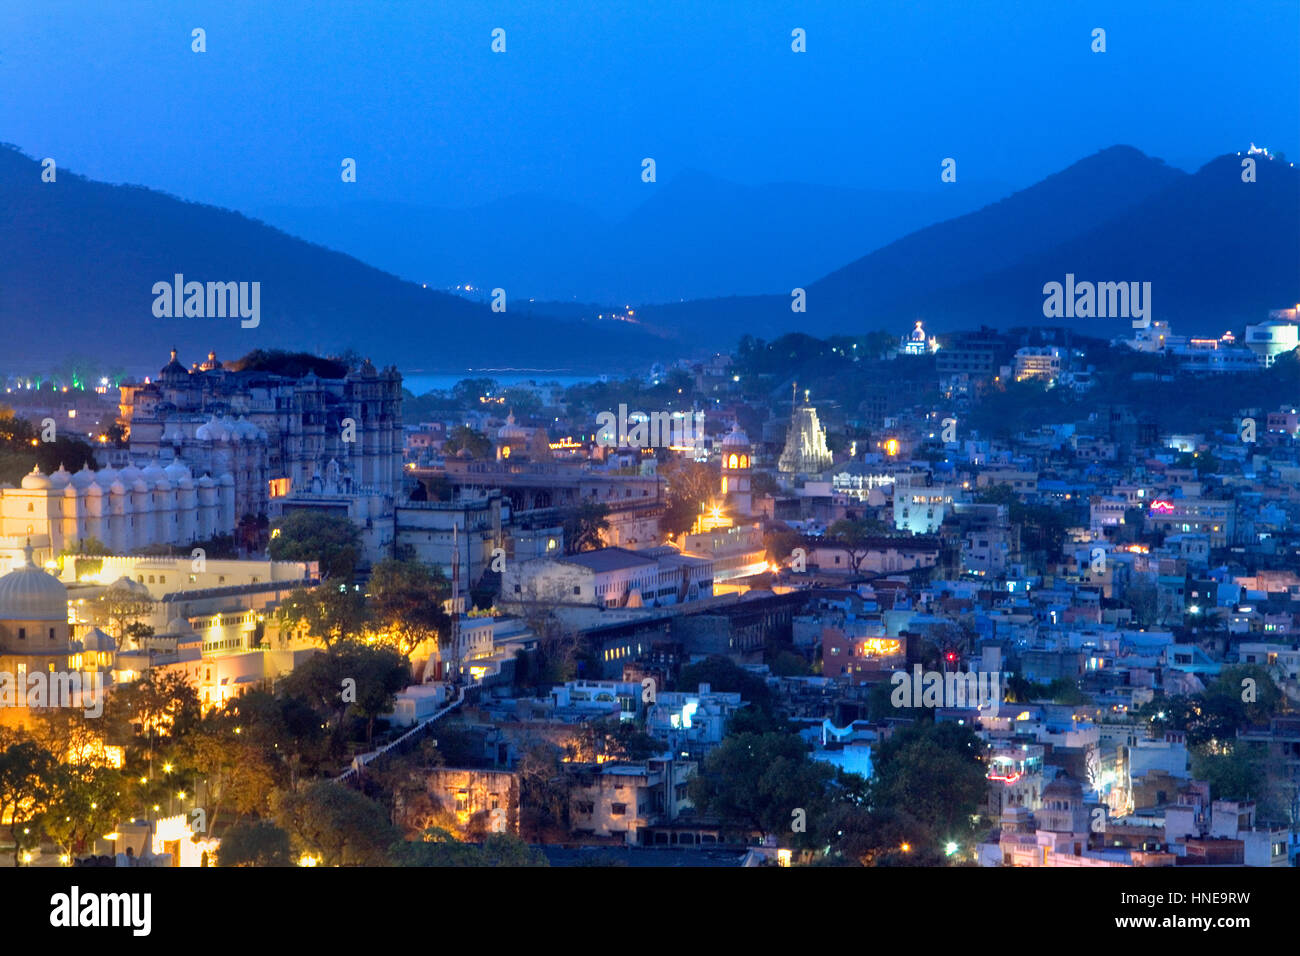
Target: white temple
128	509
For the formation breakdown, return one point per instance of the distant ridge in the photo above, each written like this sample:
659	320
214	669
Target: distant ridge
81	258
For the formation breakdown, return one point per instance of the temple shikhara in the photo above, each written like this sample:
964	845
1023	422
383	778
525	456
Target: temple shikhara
805	450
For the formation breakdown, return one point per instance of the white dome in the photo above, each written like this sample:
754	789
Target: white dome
154	473
176	472
83	478
736	438
34	480
60	478
510	431
29	594
97	641
246	429
129	474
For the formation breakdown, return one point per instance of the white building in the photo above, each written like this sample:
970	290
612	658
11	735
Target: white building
126	510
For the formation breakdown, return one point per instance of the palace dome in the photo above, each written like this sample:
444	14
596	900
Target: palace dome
30	594
34	480
736	438
510	431
96	641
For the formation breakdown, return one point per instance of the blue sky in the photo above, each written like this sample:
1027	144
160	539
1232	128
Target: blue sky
587	88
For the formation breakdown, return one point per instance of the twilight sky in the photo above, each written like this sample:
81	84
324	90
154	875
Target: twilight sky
587	88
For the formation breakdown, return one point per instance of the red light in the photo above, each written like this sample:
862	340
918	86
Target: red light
951	656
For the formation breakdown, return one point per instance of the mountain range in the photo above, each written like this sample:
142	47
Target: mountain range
697	236
80	259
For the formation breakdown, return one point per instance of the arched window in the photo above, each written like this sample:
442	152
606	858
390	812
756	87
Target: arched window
731	462
744	461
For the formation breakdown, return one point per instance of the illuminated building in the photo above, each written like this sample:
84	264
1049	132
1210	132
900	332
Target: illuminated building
1212	517
515	442
628	798
1042	363
34	631
921	508
916	343
736	462
610	577
264	426
127	510
1272	338
805	451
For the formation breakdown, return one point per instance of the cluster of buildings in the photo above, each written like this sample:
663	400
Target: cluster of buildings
1100	561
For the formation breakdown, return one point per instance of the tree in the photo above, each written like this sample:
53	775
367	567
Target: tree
336	825
468	391
692	485
328	613
585	527
238	773
309	535
88	801
603	739
759	780
933	772
854	536
349	677
464	438
781	544
406	604
30	777
160	706
122	603
440	848
254	843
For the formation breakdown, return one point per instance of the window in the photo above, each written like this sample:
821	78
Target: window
618	809
22	633
577	590
151	579
51	633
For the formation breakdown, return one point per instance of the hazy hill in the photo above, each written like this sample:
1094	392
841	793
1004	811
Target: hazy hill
81	258
1215	249
692	237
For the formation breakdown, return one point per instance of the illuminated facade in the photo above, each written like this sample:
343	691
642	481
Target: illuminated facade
805	449
262	427
34	632
736	461
126	510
